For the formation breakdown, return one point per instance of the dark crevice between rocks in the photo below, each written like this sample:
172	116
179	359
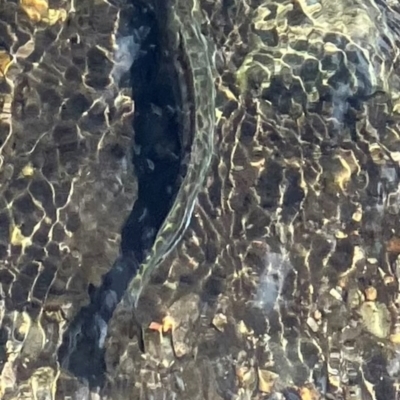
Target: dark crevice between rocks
160	151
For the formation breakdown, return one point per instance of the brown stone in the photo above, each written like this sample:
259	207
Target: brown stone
266	380
371	293
308	393
393	246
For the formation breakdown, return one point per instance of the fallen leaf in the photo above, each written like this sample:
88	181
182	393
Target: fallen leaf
168	324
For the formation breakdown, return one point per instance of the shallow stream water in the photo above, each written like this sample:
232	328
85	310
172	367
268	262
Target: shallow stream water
282	281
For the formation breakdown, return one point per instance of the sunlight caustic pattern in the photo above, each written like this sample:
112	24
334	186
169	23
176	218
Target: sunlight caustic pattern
276	272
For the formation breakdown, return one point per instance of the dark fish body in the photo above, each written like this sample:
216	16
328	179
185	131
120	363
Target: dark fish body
163	122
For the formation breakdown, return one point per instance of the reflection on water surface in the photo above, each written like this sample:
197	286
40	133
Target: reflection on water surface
284	284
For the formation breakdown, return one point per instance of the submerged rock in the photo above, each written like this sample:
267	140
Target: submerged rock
376	318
